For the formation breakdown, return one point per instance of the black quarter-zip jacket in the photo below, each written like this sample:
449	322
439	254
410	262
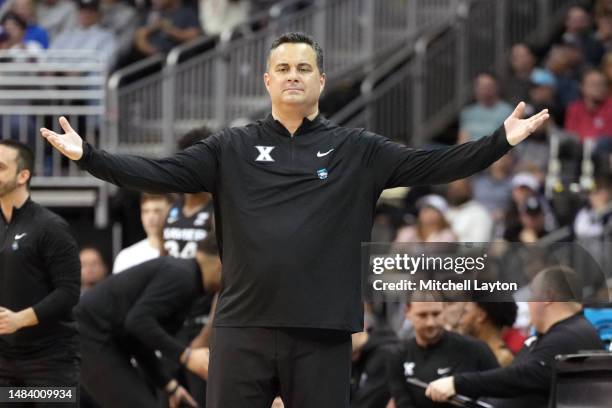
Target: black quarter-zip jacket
39	268
292	211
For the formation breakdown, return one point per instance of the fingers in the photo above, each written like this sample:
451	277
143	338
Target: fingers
53	138
65	125
535	121
519	111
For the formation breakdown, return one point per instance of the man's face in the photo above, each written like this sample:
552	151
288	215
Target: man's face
471	318
521	58
88	17
93	269
427	320
577	20
10	179
485	89
153	213
594	87
293	78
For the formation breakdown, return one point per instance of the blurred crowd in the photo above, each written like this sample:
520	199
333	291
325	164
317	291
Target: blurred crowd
123	31
540	186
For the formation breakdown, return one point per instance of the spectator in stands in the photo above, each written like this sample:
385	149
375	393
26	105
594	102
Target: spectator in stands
122	20
522	65
93	268
15	28
56	16
88	34
579	32
493	188
543	92
592	219
536	153
561	328
432	225
561	64
431	354
469	219
167	25
34	33
532	226
218	16
489	111
153	212
486	321
591	116
524	186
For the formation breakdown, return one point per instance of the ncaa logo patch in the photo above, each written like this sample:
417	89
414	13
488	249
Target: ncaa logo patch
322	173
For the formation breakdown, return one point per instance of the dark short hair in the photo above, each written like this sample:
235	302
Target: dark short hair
561	284
209	245
192	137
501	314
144	197
25	156
490	74
300	38
11	15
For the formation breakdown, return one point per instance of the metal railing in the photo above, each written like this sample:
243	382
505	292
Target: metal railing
36	88
225	83
421	90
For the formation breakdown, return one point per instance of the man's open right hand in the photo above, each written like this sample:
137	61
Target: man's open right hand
70	144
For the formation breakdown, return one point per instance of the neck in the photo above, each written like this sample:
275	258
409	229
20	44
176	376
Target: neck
155	241
14	199
560	311
421	342
490	335
292	118
194	202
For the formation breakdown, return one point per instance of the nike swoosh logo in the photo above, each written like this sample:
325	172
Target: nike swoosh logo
319	154
442	371
19	236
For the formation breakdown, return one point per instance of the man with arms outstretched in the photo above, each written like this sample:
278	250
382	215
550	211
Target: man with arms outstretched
294	197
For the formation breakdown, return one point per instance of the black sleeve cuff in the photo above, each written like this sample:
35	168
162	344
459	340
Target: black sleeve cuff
87	150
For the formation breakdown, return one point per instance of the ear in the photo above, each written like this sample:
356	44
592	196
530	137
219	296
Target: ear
481	316
322	82
23	177
266	78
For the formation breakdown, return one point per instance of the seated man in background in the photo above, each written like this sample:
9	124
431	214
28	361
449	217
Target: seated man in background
486	321
88	34
431	354
487	113
167	25
136	313
153	212
561	328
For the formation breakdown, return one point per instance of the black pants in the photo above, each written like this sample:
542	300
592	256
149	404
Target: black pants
109	377
57	369
308	368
